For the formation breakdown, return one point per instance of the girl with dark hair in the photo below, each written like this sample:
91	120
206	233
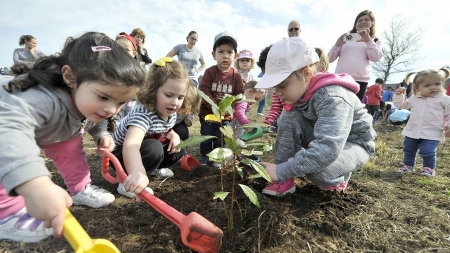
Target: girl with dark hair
189	56
48	108
355	57
27	55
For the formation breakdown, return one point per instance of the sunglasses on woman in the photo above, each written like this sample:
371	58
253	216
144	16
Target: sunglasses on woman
294	29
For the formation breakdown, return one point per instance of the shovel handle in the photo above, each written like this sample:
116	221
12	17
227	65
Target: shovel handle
162	207
75	234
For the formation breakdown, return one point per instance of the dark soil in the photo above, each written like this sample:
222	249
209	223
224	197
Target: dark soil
381	211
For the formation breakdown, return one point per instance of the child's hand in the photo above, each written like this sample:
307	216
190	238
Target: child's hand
136	182
271	170
105	142
399	91
174	141
46	201
446	130
188	122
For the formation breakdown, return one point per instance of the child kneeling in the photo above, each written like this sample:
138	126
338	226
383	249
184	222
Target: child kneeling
325	133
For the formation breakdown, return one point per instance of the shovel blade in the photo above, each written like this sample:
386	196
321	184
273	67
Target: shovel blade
199	234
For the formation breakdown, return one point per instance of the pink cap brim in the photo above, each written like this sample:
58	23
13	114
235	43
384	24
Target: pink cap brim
268	81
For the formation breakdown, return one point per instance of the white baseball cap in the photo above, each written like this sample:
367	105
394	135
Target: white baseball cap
285	57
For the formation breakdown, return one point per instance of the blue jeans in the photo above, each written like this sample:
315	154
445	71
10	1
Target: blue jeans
427	150
262	104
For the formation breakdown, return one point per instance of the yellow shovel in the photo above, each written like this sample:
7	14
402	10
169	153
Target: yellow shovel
80	240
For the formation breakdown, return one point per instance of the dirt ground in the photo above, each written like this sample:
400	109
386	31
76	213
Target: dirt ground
381	210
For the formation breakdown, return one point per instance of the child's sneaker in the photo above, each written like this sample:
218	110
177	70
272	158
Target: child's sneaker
203	160
215	164
406	168
164	172
121	189
93	196
280	188
21	227
428	172
339	188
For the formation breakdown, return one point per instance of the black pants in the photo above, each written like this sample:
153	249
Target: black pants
154	155
182	130
362	90
208	128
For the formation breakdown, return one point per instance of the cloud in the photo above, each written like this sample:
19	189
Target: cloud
255	23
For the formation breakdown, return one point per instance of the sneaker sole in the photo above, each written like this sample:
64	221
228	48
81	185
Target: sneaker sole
276	194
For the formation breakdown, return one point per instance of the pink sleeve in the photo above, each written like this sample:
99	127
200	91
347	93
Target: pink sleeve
275	110
374	50
334	53
239	114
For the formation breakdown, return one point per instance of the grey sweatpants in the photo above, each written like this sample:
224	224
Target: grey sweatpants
296	133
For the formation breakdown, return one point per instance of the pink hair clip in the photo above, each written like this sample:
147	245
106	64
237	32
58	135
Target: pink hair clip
100	48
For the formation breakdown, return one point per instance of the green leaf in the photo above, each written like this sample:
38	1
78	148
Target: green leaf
208	100
260	146
194	141
260	170
255	176
220	154
220	195
240	171
231	144
253	125
227	131
250	194
225	102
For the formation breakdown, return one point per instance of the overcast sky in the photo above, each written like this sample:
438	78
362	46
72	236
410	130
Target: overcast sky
255	23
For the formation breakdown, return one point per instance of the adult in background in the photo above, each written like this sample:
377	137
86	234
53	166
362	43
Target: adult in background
139	37
189	56
27	55
294	28
355	57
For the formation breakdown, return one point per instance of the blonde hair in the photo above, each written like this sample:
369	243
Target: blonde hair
323	63
421	75
192	101
252	63
157	76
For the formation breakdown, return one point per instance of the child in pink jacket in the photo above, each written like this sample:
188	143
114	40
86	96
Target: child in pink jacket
240	112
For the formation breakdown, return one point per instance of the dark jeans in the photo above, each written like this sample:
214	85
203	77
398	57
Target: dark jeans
208	128
427	150
262	104
372	109
182	130
154	155
362	90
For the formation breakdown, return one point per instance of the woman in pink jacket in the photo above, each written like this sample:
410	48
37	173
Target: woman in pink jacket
355	57
429	119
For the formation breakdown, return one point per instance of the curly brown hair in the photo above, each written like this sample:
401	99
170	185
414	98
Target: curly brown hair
157	76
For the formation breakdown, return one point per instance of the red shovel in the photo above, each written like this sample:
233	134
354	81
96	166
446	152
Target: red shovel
197	232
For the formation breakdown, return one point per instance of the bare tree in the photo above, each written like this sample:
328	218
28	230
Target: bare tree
401	44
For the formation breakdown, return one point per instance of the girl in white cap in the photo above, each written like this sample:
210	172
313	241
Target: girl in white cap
324	133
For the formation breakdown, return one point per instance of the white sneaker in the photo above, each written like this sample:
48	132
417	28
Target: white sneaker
121	189
93	196
21	227
164	172
240	143
260	114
